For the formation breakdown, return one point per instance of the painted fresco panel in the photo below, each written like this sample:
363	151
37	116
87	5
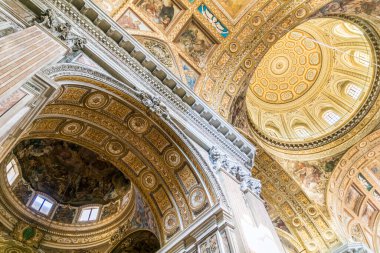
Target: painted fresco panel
369	215
194	42
130	20
191	76
161	12
353	198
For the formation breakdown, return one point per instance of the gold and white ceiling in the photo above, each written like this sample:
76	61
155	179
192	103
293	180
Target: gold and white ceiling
311	82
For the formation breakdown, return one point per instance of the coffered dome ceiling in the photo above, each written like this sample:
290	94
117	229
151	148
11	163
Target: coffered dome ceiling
311	82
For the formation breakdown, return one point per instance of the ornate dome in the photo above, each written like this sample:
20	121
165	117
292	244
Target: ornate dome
311	82
288	70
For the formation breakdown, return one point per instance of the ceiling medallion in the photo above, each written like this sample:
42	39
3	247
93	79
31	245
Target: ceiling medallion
234	47
172	158
170	222
148	180
197	199
72	128
138	124
96	100
114	148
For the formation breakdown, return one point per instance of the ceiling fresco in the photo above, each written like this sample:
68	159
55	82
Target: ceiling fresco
69	173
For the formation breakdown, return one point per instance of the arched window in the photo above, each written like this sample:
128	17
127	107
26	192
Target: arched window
89	214
362	58
12	171
331	117
353	91
42	204
302	132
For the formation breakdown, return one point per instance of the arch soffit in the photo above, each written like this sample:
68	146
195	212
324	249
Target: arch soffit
90	112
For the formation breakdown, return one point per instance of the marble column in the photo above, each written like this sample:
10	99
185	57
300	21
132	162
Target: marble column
254	231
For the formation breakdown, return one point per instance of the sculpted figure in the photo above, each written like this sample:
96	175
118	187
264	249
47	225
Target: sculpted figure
47	18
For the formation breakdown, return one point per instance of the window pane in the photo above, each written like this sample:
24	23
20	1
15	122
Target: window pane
45	209
353	91
9	166
11	175
37	203
331	117
85	214
12	172
94	214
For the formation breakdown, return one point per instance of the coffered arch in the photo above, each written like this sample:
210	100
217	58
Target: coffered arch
98	113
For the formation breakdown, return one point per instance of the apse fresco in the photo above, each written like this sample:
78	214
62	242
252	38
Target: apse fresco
195	44
69	173
191	76
138	242
130	20
161	12
234	7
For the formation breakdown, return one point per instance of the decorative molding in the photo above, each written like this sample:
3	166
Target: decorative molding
243	175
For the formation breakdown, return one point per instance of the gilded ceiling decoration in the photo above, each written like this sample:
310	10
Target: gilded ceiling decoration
289	69
133	143
311	82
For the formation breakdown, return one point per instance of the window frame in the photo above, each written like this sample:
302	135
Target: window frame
12	166
331	117
88	220
45	199
353	91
